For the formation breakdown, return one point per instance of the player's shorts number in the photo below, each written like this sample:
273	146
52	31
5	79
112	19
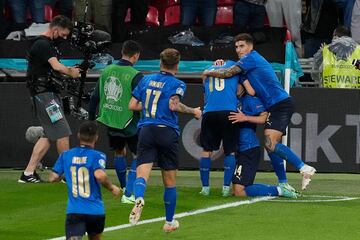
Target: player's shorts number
80	182
217	83
153	105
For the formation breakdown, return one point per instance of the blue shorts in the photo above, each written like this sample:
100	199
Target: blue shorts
79	224
247	163
280	115
158	143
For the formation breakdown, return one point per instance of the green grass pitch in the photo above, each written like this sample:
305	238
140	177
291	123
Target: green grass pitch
37	211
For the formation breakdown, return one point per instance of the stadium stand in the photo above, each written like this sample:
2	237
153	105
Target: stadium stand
152	18
224	15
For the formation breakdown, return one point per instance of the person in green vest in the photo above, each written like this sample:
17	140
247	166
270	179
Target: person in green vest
112	94
333	62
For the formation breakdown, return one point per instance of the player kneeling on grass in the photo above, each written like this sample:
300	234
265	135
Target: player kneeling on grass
84	169
252	112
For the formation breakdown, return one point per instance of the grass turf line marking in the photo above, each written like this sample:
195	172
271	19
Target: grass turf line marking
333	199
185	214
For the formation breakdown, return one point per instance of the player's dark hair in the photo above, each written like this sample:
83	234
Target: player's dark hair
169	58
88	130
130	48
244	37
62	22
341	31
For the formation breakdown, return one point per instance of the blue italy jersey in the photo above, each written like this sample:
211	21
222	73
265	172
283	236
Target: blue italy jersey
251	106
154	92
262	78
78	165
220	94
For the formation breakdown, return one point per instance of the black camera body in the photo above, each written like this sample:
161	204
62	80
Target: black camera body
88	40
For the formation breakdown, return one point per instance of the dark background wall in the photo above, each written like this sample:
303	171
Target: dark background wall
325	130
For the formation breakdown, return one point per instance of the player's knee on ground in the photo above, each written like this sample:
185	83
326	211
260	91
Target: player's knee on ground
239	190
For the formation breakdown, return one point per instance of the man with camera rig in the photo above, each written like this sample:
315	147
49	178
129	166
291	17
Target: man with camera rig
43	59
113	91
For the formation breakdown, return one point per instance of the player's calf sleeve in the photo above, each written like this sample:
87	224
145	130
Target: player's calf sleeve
205	164
229	168
170	202
278	165
130	180
139	187
120	168
257	190
285	153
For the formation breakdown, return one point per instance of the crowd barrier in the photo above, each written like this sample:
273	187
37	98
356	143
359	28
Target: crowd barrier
324	131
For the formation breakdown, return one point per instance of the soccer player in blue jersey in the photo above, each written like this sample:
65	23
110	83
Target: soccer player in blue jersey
158	97
84	169
220	99
250	113
263	82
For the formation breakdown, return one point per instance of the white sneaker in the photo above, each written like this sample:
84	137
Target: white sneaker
307	172
205	191
128	200
136	211
170	227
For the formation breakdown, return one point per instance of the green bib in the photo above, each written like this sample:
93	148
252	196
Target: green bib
340	73
115	94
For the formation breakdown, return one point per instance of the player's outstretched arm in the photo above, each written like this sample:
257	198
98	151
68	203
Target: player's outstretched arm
239	116
176	106
135	105
101	177
223	73
54	177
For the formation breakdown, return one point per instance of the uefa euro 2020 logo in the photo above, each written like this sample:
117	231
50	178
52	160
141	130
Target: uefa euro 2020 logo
113	89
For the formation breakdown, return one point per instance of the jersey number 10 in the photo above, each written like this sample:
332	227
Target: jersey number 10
217	83
80	182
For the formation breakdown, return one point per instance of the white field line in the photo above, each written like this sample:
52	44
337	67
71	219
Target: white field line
185	214
233	204
334	199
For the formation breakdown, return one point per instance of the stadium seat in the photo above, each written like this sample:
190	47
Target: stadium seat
224	15
172	2
172	15
225	2
152	18
288	36
48	13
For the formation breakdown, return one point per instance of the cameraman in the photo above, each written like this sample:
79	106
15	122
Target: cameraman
43	58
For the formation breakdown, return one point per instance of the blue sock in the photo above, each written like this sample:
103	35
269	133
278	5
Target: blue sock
285	153
205	164
120	168
170	202
257	190
278	165
229	167
130	180
139	187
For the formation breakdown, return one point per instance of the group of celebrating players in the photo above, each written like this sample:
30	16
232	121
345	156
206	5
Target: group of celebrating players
237	96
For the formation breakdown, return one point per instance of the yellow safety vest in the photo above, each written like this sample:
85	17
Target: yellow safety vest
340	73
